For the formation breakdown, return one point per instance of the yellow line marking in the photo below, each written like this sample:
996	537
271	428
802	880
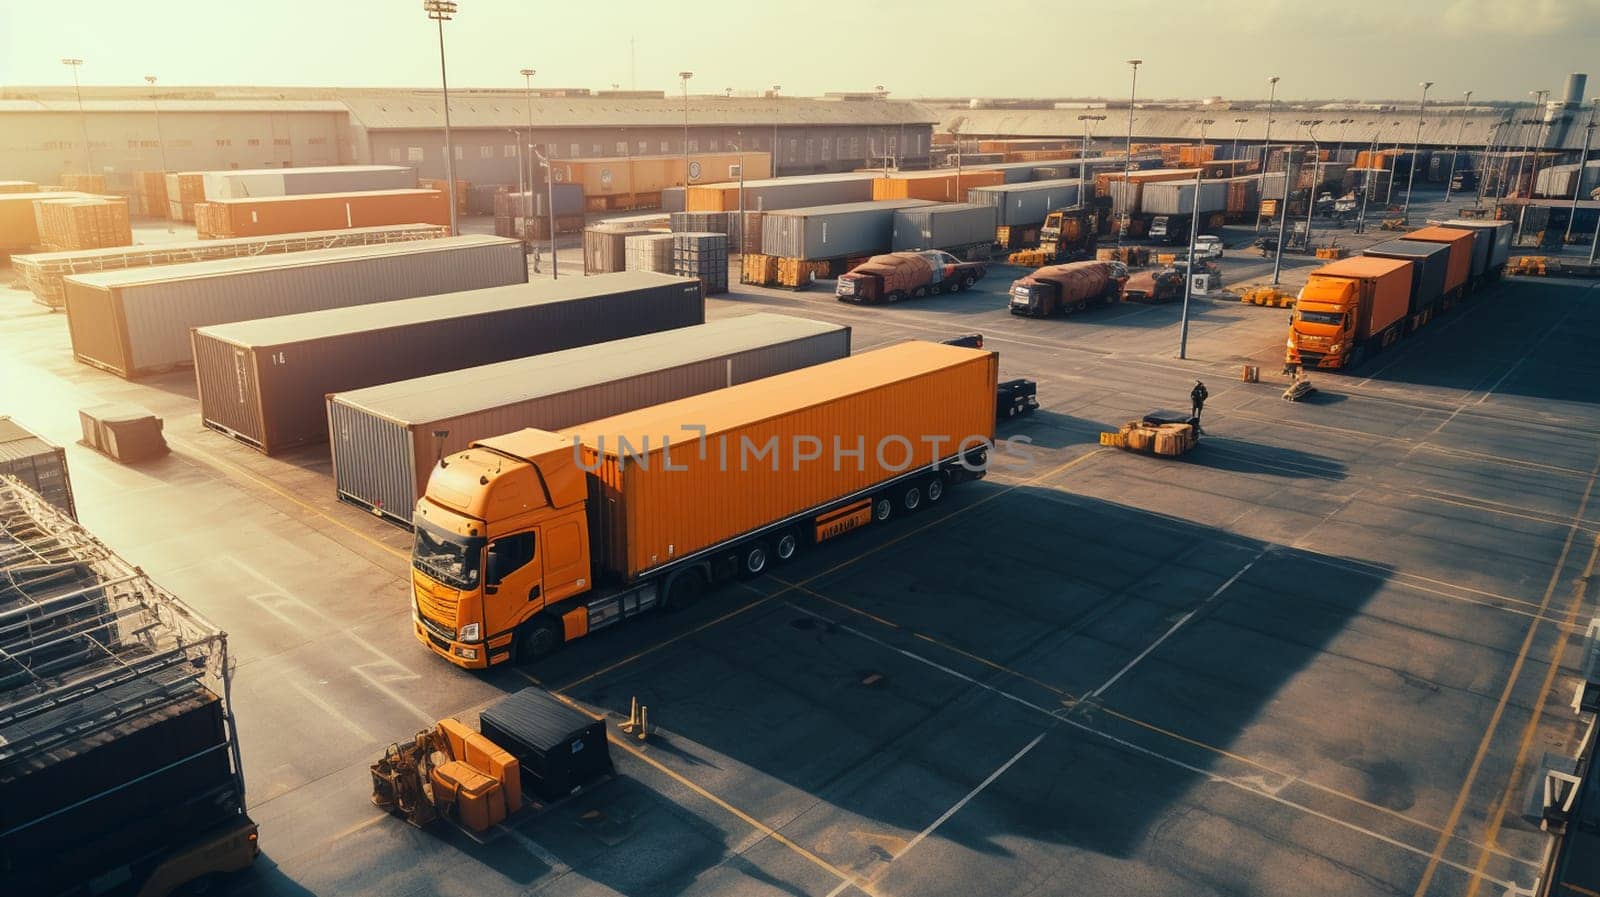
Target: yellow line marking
749	820
662	644
1497	813
1454	818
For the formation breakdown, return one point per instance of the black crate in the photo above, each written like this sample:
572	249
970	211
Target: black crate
559	748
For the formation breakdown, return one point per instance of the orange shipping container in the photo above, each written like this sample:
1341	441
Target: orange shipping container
184	189
782	437
152	187
19	225
1459	268
939	186
623	175
261	216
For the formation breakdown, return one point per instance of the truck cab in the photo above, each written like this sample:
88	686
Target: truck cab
500	536
1322	327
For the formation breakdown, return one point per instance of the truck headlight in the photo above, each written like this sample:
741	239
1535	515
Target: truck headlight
1334	349
1289	343
469	632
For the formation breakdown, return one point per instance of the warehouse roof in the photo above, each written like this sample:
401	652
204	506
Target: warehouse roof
423	109
1440	127
172	106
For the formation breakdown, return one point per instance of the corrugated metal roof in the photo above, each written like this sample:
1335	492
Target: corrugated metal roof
453	393
403	312
263	105
1439	127
425	111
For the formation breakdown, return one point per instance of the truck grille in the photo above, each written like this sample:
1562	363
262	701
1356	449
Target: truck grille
435	607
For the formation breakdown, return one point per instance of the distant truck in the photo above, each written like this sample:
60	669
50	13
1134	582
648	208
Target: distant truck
1154	287
898	275
1068	235
1064	289
532	539
1348	310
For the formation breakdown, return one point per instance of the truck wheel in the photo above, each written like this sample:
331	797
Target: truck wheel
934	489
753	559
1082	304
937	289
684	590
882	508
957	286
787	545
895	296
911	499
536	639
968	281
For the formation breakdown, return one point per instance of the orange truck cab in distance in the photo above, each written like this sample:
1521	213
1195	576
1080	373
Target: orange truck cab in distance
532	539
1347	310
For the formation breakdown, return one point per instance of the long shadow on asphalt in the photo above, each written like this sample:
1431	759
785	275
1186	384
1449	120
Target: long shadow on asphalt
1251	458
1060	588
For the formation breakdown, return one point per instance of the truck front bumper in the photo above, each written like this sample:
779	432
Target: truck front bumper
466	656
1315	360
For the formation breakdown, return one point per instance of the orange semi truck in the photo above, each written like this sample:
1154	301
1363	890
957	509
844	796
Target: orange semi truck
1348	310
532	539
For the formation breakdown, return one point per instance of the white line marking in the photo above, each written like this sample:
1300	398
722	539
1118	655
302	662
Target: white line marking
333	713
954	809
1176	626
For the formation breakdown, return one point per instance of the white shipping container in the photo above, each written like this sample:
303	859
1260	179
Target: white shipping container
1178	198
254	182
1029	203
137	321
943	226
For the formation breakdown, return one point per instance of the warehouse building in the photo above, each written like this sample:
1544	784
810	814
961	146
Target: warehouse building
42	132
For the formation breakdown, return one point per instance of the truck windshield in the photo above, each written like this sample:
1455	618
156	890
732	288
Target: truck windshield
447	558
1334	318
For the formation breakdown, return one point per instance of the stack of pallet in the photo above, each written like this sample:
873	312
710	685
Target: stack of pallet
93	223
726	223
703	256
152	188
184	189
799	272
650	252
18	187
761	270
87	183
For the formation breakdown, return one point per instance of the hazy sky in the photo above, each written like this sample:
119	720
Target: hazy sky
1321	48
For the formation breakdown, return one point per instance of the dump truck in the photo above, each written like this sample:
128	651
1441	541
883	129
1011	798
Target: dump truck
532	539
1348	310
898	275
1068	235
1154	287
1064	289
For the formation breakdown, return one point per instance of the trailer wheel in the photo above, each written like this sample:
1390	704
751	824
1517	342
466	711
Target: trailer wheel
882	508
968	281
937	289
957	286
934	489
911	499
895	296
787	546
536	639
753	559
683	590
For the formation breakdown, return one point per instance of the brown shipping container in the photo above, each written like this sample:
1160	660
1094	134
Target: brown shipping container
897	399
265	382
319	211
939	186
19	222
1461	243
152	193
184	189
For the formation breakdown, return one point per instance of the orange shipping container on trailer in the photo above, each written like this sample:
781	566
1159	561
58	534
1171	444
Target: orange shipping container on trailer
939	186
779	446
1459	268
266	215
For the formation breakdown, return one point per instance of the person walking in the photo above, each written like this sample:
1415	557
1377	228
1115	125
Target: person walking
1197	399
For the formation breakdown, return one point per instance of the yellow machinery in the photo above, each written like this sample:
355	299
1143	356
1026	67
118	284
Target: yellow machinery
1271	297
448	771
1160	433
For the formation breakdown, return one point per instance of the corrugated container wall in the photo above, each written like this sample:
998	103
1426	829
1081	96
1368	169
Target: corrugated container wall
782	193
1178	198
137	321
264	382
41	465
383	443
648	514
944	226
319	211
827	232
1025	204
649	252
1430	263
255	182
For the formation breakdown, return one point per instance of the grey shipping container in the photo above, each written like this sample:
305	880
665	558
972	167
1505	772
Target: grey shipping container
263	382
1429	264
137	321
1494	242
703	256
40	464
771	194
567	199
725	223
1178	197
943	226
828	232
383	443
672	199
1025	204
245	183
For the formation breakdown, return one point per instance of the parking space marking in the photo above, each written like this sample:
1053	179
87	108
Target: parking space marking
1177	625
945	816
1249	786
1465	793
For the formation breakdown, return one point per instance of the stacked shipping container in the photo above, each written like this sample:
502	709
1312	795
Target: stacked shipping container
319	211
835	231
703	256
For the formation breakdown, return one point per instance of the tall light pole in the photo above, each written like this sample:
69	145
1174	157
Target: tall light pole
442	11
1127	158
1588	134
527	216
1238	128
1083	157
1283	213
1534	123
773	163
1416	151
550	203
743	233
684	78
161	148
83	117
1205	123
1266	145
1188	271
1367	187
1542	119
1461	130
1347	122
1316	175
